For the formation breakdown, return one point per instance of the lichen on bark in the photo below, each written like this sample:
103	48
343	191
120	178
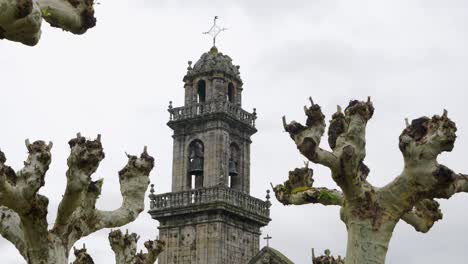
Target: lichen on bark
23	212
370	213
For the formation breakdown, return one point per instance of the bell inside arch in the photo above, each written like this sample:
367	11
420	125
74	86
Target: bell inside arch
196	166
196	155
234	160
233	168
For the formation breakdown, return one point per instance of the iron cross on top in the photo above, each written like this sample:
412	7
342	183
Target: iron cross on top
215	30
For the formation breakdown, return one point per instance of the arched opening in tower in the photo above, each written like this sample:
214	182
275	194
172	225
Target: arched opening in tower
196	160
230	94
235	179
201	91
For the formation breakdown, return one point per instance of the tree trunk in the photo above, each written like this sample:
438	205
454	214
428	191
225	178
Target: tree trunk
368	245
58	253
55	254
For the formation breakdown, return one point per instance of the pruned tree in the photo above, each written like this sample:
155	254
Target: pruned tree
82	256
125	248
21	20
327	258
23	210
371	213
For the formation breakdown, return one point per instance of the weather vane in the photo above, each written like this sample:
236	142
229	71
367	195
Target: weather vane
215	30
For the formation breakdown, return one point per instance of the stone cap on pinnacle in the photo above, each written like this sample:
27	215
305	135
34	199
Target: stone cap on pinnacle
213	62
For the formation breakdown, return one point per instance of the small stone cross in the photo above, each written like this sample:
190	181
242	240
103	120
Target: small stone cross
267	238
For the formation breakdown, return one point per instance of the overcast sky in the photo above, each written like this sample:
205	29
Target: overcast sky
117	80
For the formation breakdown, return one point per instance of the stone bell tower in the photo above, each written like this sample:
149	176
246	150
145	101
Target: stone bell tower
210	217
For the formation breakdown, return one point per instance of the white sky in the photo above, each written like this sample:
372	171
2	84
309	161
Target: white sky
117	79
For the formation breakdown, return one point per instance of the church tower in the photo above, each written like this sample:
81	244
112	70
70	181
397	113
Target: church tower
209	216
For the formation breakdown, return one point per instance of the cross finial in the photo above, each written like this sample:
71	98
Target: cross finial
267	238
215	30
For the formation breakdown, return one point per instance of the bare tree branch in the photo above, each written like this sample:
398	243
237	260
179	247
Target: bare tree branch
307	138
298	190
133	184
87	219
83	161
326	259
346	138
82	256
423	177
125	248
10	229
458	184
18	190
423	216
20	20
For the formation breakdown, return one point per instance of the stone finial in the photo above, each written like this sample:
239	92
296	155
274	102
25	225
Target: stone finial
214	50
189	68
170	104
151	196
268	199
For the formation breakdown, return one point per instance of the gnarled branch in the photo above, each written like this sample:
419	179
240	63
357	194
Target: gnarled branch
307	138
83	161
421	142
11	230
87	219
20	20
82	256
346	138
19	193
18	190
327	258
298	190
423	216
133	184
458	184
125	248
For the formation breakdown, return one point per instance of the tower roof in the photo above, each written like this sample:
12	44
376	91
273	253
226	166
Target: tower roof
213	62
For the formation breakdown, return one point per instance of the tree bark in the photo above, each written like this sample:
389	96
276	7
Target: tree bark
366	244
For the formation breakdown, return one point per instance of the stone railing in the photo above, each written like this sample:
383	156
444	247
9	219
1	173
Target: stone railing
201	109
207	196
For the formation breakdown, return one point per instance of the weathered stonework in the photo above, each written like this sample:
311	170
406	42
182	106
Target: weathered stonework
270	255
209	217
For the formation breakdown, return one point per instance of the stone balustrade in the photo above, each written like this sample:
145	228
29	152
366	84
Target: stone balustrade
206	108
204	196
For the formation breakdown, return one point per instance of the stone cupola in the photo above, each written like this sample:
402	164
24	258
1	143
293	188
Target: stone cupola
213	77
